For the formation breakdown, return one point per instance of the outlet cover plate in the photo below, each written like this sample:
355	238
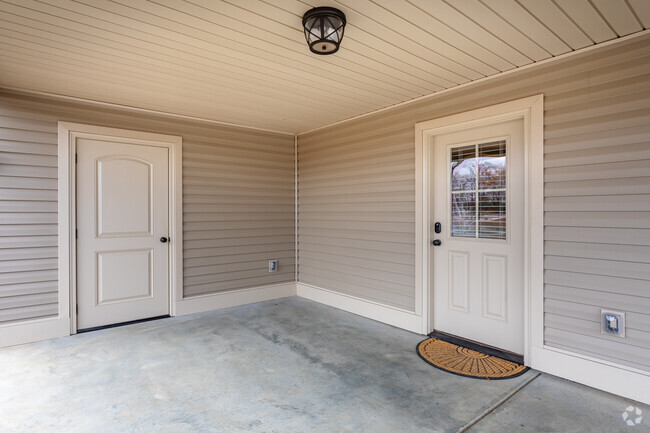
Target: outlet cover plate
273	266
612	323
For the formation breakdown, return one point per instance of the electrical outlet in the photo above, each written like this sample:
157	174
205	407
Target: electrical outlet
273	266
612	323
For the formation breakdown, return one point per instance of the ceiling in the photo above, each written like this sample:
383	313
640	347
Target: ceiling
246	61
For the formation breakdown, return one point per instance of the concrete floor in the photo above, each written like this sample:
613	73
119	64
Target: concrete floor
289	365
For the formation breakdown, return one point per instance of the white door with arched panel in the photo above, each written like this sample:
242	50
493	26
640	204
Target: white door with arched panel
477	225
122	229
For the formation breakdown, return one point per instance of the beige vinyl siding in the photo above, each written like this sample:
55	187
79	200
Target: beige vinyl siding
357	207
238	211
28	217
356	215
238	195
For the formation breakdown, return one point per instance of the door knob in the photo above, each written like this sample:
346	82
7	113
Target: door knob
164	239
436	242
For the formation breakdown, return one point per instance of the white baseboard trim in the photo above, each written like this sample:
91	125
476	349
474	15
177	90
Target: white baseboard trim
592	372
217	301
372	310
30	332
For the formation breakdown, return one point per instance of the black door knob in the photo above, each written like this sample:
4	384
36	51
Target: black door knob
163	239
436	242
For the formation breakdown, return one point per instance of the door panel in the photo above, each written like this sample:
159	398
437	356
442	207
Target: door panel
459	281
112	220
477	268
495	300
122	212
124	276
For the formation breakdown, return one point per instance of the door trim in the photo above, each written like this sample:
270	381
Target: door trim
531	111
67	144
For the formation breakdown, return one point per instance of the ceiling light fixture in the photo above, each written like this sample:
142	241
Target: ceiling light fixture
324	29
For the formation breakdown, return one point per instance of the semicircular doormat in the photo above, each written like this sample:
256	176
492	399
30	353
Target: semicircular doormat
467	362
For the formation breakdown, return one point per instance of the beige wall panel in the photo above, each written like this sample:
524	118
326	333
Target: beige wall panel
598	171
633	337
357	206
599	219
598	235
616	352
15	314
238	188
631	253
234	247
636	321
566	283
633	185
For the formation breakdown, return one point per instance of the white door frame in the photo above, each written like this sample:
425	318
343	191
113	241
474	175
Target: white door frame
68	134
531	111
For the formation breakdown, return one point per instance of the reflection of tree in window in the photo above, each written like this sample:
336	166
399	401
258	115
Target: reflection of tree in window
478	190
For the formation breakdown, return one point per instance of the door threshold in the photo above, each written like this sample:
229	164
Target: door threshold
479	347
116	325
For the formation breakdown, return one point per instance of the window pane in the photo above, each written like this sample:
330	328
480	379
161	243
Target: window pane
492	215
492	165
463	168
463	215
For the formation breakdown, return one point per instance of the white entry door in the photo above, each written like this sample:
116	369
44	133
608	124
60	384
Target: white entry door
122	230
478	235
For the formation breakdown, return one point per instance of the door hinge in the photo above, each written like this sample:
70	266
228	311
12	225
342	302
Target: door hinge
77	308
75	158
76	234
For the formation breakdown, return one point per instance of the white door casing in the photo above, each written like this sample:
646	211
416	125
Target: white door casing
531	111
477	269
69	137
122	213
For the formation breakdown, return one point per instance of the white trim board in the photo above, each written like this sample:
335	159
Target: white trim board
362	307
619	380
234	298
67	142
33	331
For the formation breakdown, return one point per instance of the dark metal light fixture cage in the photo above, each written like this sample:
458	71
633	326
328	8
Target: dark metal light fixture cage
324	29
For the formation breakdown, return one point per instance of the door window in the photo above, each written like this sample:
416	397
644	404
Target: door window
478	190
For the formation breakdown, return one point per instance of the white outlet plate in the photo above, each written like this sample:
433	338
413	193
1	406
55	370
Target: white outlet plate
273	266
619	318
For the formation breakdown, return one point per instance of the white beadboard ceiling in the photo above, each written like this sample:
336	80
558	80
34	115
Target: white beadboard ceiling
246	61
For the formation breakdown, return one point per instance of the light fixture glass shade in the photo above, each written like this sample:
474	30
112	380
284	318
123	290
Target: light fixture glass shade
324	29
